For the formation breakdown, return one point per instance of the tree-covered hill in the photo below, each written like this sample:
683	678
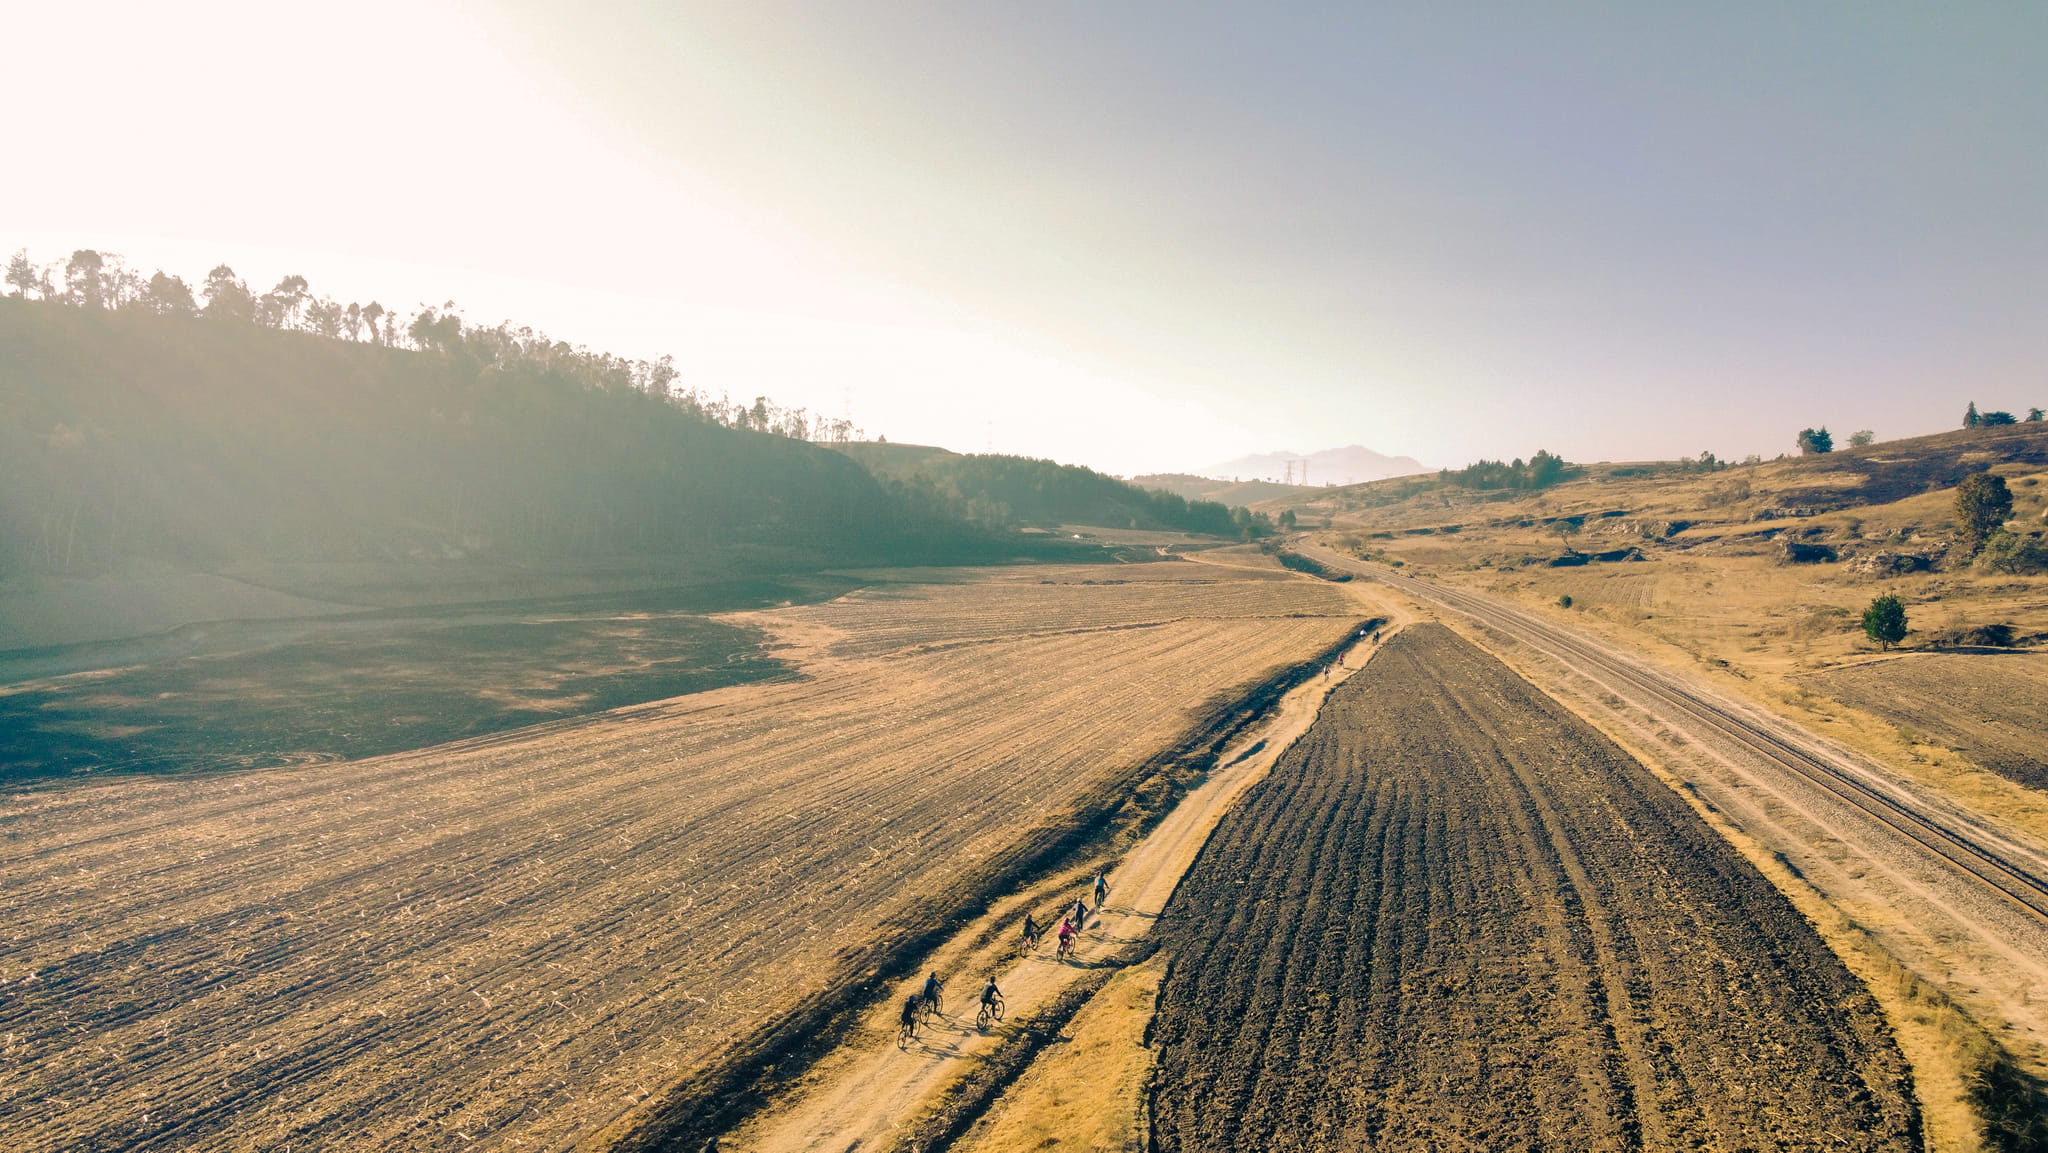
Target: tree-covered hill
141	431
999	491
1229	492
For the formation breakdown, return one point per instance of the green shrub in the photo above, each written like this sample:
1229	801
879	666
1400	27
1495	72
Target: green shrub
1885	621
2009	552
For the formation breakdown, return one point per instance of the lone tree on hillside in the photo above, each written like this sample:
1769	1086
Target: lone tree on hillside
24	277
1990	419
1815	440
2033	415
1885	621
1982	504
1862	438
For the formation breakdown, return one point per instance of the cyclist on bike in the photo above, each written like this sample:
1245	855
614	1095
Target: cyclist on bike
932	988
1080	914
1101	889
990	995
910	1007
1066	935
1030	931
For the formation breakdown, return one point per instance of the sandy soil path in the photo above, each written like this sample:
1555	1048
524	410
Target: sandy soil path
1891	865
861	1104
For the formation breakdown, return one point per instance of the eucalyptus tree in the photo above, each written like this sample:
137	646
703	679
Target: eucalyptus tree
227	298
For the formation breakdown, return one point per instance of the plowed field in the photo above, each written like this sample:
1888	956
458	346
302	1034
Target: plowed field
518	941
1455	917
1987	706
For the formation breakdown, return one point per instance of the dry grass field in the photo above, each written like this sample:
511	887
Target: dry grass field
533	939
1706	584
1986	706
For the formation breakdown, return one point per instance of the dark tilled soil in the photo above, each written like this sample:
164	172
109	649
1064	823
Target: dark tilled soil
269	694
1455	917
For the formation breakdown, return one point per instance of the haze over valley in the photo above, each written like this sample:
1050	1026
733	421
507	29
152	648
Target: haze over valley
646	577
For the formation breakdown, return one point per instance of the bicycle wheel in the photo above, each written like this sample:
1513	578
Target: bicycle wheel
998	1014
981	1018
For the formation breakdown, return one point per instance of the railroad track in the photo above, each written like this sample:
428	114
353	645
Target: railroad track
1962	849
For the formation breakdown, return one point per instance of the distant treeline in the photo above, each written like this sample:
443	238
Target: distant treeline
139	433
99	281
1540	471
998	491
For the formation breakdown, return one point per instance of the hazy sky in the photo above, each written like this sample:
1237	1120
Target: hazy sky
1139	236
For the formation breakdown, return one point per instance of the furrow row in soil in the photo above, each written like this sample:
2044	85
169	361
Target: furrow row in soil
1455	916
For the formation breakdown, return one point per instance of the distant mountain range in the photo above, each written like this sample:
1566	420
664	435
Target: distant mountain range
1352	464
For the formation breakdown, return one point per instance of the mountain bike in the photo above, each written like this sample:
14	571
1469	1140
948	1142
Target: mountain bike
990	1011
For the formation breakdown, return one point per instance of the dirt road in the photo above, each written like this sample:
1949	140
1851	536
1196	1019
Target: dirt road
864	1100
1952	892
1454	916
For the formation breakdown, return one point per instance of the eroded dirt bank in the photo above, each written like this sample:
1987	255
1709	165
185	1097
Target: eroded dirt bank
1455	916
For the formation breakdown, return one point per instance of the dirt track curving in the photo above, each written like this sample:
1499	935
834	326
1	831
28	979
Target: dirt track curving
1456	917
530	941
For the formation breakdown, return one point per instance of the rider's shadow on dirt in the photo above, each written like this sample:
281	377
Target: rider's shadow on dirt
939	1041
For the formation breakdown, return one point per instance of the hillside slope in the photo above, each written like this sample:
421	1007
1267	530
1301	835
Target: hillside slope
1761	573
1001	491
1248	493
127	438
